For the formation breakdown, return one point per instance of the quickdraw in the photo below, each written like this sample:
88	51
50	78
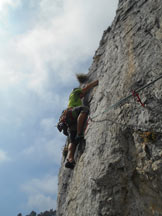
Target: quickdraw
135	94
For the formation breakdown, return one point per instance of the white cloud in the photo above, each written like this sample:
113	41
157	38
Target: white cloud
53	150
41	202
5	3
9	76
61	41
46	185
40	193
4	11
46	149
50	8
4	157
48	145
48	125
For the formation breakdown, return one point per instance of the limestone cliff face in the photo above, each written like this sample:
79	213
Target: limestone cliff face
119	166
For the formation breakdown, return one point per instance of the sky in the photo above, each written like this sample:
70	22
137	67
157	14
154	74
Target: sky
44	43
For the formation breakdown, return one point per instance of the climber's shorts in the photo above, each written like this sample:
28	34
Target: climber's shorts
71	136
72	116
80	109
72	130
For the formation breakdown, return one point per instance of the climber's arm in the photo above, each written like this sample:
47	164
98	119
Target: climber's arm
89	86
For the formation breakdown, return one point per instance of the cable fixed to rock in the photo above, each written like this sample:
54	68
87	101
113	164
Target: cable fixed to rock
133	94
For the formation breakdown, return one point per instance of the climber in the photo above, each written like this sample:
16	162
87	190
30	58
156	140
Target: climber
72	120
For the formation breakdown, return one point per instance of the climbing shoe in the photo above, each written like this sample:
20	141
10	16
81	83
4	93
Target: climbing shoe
70	165
78	138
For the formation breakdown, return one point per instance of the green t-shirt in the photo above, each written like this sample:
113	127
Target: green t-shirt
74	98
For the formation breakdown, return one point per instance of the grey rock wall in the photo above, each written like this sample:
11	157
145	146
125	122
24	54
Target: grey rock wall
119	166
